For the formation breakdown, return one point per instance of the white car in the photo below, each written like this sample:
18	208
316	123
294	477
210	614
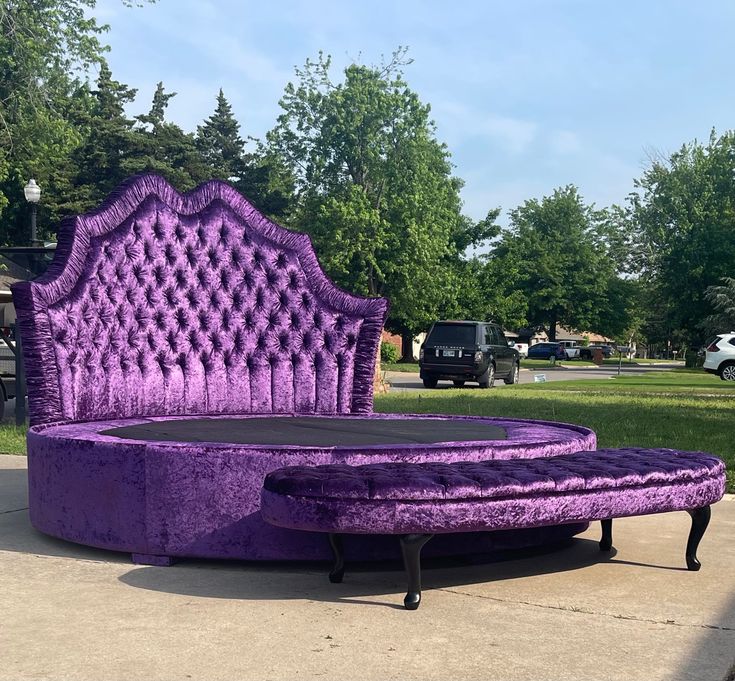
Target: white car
720	356
522	349
571	349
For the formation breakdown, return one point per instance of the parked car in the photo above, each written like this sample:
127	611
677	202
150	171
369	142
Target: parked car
571	349
720	356
588	352
550	351
461	351
7	372
522	349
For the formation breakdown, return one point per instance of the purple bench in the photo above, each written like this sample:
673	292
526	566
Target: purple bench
416	501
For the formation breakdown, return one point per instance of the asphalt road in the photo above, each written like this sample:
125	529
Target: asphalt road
409	381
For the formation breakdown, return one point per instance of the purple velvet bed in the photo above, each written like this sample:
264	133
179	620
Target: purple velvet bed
165	314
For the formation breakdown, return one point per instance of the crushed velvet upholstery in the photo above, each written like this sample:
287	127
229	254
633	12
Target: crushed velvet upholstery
159	303
403	498
202	499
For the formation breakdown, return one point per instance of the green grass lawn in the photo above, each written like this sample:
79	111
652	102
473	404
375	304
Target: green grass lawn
675	381
545	364
12	439
666	409
640	362
408	367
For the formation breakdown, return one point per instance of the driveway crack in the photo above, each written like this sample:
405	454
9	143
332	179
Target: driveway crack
585	611
14	510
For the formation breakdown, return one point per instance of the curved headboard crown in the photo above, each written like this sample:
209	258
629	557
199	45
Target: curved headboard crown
160	303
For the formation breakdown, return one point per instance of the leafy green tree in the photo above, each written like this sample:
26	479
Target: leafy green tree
616	230
685	211
374	187
46	48
557	261
622	310
487	293
722	300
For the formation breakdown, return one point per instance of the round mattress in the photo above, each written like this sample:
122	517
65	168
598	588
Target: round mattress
190	486
307	431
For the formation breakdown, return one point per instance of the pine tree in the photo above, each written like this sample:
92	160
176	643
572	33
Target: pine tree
156	116
164	148
260	177
220	144
110	138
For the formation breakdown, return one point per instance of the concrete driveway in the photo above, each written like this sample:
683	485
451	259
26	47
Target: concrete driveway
70	612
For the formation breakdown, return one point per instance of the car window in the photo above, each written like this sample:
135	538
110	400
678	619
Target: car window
502	340
452	334
489	340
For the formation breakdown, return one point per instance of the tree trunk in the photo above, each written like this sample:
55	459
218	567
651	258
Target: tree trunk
379	385
407	348
552	327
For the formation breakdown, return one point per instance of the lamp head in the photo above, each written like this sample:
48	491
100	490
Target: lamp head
32	192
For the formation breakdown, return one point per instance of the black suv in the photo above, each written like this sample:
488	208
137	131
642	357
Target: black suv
462	351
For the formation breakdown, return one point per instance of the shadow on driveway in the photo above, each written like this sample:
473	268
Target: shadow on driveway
286	581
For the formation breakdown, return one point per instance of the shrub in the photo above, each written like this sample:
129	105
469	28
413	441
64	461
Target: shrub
389	353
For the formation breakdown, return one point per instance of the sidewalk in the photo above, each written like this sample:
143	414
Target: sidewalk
69	612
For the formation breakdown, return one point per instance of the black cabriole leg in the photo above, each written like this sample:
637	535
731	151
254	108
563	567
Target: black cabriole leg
411	545
338	571
700	520
606	540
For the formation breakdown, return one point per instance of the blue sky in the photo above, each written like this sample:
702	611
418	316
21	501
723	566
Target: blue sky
528	95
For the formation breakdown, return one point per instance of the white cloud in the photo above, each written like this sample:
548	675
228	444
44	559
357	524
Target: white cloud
564	142
458	122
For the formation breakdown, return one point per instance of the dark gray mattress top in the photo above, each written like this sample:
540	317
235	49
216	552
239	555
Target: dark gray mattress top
310	431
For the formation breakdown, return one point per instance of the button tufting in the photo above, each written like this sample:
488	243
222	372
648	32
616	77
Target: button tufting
173	289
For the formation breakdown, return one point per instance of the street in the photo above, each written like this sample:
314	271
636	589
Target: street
410	381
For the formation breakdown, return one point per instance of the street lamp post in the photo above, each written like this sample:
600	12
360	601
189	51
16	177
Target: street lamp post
33	195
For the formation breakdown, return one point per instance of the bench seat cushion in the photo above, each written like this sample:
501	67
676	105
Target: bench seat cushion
470	496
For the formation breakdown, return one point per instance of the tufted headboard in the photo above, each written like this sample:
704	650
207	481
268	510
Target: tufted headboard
162	304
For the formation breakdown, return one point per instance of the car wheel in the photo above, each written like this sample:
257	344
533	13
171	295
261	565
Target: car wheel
430	382
514	376
458	384
487	380
727	371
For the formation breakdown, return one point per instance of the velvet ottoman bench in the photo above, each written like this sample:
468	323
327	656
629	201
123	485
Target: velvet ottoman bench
417	501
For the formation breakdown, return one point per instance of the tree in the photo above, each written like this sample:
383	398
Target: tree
557	261
622	310
722	300
46	49
487	293
108	139
159	146
374	187
685	211
260	176
220	144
